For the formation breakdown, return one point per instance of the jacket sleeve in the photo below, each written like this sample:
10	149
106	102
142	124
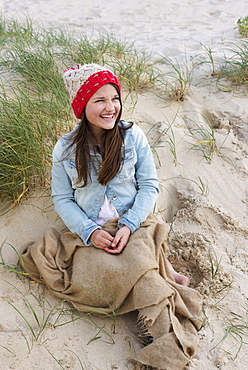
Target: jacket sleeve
147	183
63	198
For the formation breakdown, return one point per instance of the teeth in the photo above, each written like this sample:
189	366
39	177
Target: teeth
107	116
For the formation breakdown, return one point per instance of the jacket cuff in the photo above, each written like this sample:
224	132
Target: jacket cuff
125	222
87	234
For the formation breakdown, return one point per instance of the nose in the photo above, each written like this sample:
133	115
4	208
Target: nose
109	106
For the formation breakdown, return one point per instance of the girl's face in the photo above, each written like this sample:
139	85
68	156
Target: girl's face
103	108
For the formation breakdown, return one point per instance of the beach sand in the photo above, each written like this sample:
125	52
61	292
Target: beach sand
206	203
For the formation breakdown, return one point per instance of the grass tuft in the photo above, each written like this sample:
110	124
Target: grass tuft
242	25
236	326
177	81
166	136
234	66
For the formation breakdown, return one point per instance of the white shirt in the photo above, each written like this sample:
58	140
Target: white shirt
107	212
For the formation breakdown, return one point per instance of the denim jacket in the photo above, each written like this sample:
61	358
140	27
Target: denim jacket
133	191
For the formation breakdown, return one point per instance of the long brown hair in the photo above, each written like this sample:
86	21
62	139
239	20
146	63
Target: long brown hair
111	150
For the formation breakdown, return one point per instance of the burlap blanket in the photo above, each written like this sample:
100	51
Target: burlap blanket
137	279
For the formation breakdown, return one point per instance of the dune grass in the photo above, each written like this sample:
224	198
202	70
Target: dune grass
236	328
35	106
242	26
177	79
230	69
29	128
204	141
234	66
165	137
36	109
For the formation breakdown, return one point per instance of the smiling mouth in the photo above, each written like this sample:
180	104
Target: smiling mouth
107	116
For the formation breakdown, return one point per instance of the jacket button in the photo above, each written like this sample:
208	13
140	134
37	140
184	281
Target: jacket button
114	197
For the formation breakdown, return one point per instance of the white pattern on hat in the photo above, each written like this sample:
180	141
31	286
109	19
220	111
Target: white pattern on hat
75	77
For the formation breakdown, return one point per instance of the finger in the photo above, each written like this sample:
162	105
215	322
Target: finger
102	239
117	239
107	236
107	243
101	242
115	242
116	250
112	251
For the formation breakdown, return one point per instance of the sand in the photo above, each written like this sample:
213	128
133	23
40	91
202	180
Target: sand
206	203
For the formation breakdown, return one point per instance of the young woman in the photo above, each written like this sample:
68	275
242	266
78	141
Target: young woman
104	169
104	187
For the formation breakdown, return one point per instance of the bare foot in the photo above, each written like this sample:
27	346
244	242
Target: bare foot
179	279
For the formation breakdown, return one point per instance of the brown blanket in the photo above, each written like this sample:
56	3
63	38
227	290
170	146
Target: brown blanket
136	279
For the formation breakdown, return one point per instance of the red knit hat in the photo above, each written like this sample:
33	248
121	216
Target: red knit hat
83	81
